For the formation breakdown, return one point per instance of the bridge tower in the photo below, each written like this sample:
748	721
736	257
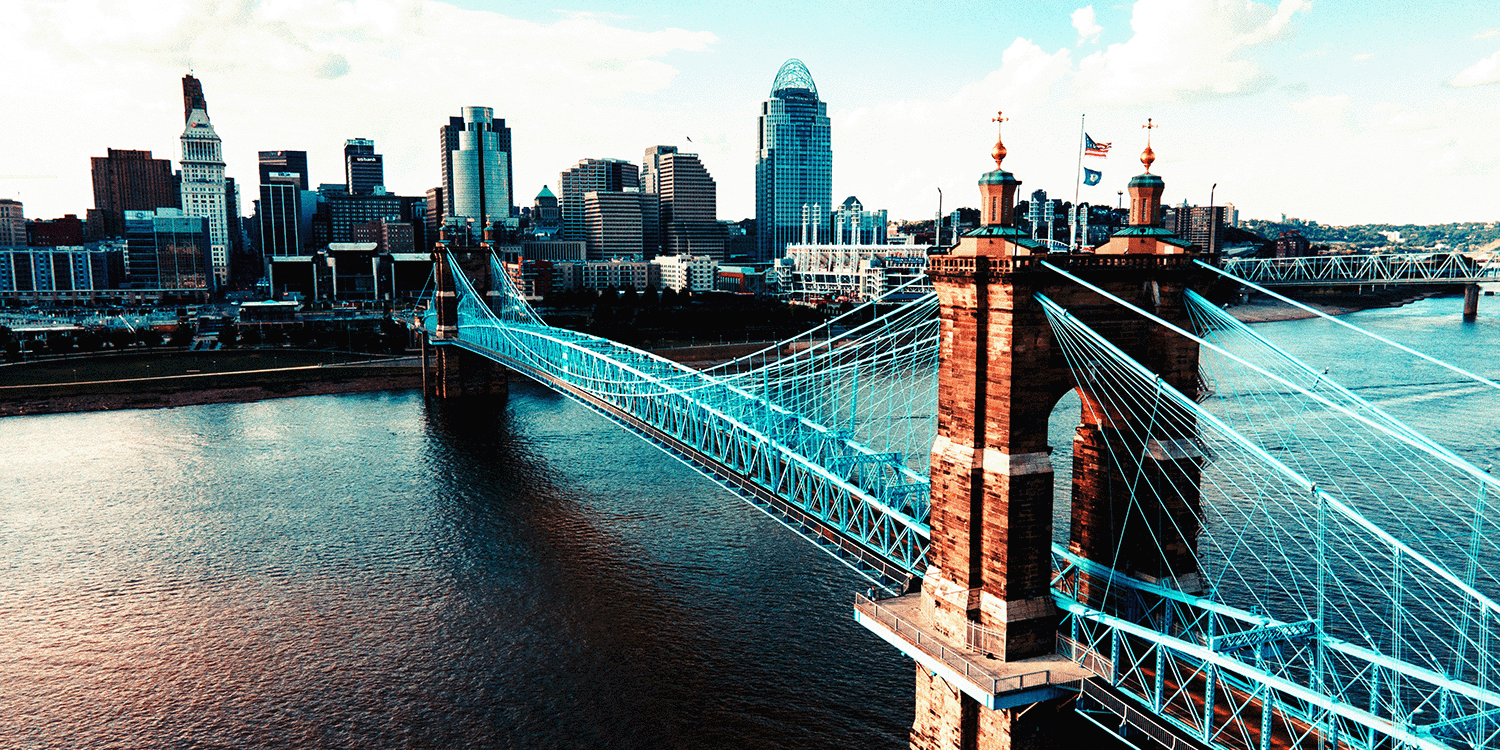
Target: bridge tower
455	371
1001	374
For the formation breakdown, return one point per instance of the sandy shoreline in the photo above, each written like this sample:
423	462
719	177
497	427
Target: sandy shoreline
1261	309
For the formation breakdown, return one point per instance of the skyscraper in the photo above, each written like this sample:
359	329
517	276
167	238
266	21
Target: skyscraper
589	176
129	181
794	163
476	167
293	163
283	177
203	176
364	170
689	202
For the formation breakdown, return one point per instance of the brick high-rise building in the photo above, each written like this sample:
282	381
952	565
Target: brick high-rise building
62	232
126	180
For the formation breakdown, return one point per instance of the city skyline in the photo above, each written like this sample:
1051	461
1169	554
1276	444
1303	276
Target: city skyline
1249	94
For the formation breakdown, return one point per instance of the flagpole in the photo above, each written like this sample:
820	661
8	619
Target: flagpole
1077	179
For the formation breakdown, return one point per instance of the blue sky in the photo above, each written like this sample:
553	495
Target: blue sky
1334	110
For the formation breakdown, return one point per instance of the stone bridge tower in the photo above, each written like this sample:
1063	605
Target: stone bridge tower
1001	374
450	371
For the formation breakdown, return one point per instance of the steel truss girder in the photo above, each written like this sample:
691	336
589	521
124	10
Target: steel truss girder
1394	268
710	425
1241	682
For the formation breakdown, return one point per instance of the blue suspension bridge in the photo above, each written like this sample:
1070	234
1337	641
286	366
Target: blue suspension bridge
1346	589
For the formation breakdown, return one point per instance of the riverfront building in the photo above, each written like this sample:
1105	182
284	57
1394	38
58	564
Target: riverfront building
794	164
66	274
168	251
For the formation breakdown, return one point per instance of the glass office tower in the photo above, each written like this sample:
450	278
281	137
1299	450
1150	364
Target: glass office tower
794	165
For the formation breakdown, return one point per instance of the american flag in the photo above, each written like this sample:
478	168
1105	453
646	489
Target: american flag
1090	148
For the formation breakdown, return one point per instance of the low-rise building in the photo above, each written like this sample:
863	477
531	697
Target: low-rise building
688	273
855	272
602	274
68	274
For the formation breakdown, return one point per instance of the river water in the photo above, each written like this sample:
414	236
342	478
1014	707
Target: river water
373	571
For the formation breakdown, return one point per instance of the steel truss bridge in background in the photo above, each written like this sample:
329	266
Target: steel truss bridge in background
1348	561
1365	270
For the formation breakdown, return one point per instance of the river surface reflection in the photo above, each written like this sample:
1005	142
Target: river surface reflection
373	571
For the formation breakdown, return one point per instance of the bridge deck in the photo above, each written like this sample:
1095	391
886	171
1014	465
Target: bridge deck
995	683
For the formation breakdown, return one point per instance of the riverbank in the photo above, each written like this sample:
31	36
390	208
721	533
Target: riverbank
158	380
1263	309
167	379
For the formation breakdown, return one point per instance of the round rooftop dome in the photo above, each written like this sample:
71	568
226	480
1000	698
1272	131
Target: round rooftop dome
793	75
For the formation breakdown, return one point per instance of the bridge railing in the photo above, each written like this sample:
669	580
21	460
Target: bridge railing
968	660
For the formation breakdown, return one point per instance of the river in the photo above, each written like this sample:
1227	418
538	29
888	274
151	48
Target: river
373	571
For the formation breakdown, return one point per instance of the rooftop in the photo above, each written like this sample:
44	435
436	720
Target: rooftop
793	75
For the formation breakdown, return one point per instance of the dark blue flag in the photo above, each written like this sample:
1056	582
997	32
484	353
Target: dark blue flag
1091	177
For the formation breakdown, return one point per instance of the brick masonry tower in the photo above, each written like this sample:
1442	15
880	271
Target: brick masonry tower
1000	376
456	371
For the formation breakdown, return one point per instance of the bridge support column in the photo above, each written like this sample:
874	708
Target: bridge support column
947	719
991	470
459	372
1471	303
987	591
456	371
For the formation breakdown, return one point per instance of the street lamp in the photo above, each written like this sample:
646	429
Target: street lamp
1213	221
937	226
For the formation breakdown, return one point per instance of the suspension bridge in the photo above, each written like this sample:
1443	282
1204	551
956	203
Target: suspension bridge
1257	556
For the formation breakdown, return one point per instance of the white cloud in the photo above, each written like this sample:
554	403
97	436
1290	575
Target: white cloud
1186	50
1480	73
1487	34
306	74
1083	21
1363	56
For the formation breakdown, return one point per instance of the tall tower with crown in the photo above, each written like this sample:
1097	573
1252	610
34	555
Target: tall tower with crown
203	186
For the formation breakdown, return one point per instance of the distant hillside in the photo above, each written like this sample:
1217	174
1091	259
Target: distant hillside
1463	237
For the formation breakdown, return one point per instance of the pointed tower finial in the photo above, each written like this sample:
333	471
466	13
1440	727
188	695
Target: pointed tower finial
998	152
1148	157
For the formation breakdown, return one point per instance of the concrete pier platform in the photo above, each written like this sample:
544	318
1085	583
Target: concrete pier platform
990	681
